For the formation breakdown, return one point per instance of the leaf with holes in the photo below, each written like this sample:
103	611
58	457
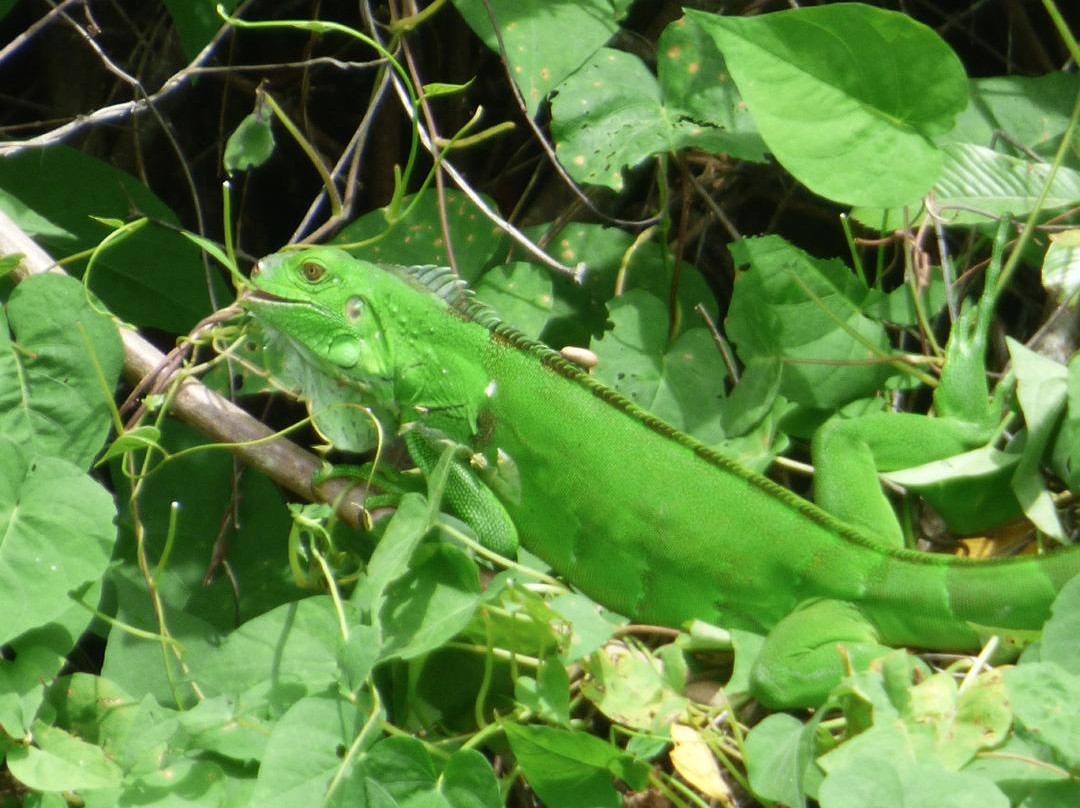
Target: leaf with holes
614	113
534	34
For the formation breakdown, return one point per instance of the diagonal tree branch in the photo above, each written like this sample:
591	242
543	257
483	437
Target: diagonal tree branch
199	406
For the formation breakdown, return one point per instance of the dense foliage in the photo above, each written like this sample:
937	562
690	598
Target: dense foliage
755	217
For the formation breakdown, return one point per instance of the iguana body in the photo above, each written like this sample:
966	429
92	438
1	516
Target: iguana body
641	517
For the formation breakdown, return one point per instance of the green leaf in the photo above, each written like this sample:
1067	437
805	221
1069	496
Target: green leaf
522	295
57	377
572	769
252	143
33	222
1061	266
1046	700
612	114
400	768
682	384
61	762
1041	389
257	553
972	490
633	689
534	34
280	656
219	725
197	21
548	695
94	710
202	484
153	277
697	88
1017	768
431	603
952	727
183	782
390	560
304	751
469	782
898	306
417	238
56	534
1033	110
401	771
1059	634
615	263
846	96
777	752
1066	450
806	312
21	693
436	89
592	624
998	184
888	783
979	184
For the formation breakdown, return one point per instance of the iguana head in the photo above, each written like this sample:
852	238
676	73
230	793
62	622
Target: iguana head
320	299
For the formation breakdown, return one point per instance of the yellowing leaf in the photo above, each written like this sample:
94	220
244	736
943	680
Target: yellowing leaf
694	760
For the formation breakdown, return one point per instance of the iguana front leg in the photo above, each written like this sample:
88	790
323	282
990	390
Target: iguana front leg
456	484
465	494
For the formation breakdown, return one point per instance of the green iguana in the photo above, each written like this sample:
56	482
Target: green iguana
640	516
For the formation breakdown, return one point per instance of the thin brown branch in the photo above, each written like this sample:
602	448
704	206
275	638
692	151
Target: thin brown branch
200	407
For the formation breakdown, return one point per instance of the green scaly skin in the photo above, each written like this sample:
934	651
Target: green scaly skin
640	516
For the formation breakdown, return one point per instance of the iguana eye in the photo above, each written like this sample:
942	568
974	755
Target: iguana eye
312	271
354	308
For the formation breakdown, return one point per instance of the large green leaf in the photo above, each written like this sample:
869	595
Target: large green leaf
534	34
615	263
431	603
280	656
572	769
522	295
613	113
807	313
1032	110
978	185
697	88
56	535
303	753
417	238
153	277
402	771
57	376
846	96
61	762
197	21
257	538
682	383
